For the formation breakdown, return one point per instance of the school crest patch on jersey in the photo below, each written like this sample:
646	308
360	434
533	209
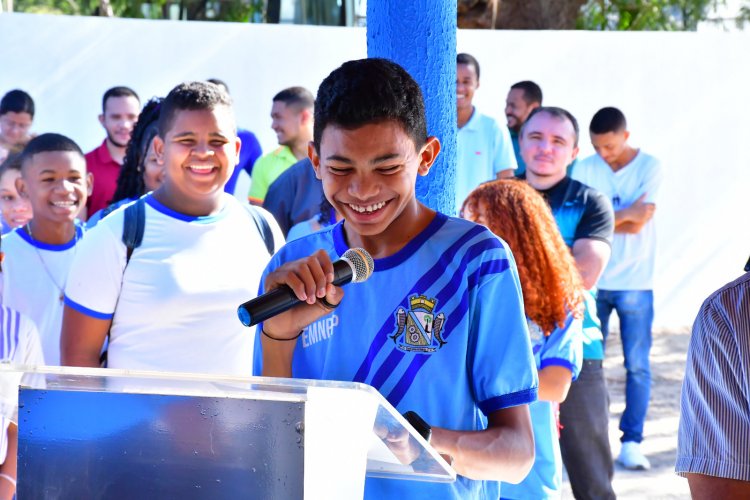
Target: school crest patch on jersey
419	328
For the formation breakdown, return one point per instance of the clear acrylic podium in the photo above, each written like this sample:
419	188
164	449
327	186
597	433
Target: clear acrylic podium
102	433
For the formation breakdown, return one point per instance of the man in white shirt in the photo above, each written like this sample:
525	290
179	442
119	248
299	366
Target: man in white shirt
485	150
631	179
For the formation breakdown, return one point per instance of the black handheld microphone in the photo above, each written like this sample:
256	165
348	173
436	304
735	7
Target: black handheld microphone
356	265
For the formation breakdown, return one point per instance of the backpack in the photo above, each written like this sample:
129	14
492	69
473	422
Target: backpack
134	226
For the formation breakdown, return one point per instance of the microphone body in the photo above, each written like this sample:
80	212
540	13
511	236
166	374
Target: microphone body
355	267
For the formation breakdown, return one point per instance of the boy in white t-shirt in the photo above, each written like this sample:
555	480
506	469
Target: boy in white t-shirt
172	305
38	255
19	345
631	179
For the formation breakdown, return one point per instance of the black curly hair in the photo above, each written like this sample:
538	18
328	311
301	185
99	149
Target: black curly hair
130	181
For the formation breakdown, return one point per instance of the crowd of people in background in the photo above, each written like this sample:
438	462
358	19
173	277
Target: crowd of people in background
146	244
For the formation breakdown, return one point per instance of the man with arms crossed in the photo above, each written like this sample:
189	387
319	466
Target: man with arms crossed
631	179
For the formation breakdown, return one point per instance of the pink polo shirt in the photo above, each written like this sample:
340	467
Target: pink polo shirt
105	170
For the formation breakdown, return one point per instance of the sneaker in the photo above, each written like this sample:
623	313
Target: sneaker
632	458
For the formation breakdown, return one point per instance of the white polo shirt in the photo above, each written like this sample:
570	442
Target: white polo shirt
484	149
631	266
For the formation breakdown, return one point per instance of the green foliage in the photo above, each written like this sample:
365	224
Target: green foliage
653	15
217	10
743	17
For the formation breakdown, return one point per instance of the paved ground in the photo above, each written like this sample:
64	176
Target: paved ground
660	443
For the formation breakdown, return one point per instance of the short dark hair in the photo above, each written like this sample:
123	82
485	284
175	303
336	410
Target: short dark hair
220	83
192	96
464	58
46	143
559	113
12	162
608	120
17	101
119	91
532	93
130	181
370	91
299	97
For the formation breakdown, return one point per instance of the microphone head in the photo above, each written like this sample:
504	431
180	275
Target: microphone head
361	263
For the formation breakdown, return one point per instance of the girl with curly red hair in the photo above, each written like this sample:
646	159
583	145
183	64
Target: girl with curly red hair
552	292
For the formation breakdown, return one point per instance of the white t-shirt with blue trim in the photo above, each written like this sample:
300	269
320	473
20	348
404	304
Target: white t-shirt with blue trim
631	266
563	347
439	328
174	308
484	149
33	275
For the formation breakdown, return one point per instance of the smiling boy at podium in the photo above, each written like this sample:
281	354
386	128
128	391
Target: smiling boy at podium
439	328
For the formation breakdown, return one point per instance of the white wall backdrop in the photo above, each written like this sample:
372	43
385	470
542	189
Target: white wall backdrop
685	95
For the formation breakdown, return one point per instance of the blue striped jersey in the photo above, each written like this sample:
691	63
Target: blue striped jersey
19	344
439	328
10	327
563	347
714	432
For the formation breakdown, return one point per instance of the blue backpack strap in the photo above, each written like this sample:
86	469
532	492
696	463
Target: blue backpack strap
133	227
263	228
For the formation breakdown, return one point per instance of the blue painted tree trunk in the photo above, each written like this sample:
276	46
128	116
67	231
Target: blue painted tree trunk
420	35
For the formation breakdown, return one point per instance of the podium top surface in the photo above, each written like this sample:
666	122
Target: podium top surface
353	413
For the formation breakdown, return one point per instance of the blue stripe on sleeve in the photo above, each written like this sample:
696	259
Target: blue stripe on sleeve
489	267
523	397
558	362
5	329
85	310
16	334
10	328
4	332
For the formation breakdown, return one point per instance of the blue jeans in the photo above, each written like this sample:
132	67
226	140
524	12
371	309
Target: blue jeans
635	308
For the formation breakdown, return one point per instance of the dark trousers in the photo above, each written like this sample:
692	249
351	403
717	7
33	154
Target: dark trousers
584	438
